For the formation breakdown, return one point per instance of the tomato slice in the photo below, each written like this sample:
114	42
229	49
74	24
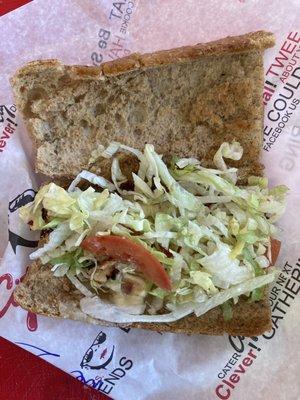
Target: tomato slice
123	249
275	249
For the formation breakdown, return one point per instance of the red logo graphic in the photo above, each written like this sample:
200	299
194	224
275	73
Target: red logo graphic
6	116
31	322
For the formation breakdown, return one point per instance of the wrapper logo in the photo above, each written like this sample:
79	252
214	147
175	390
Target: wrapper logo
112	42
247	350
6	283
223	390
7	118
281	92
290	154
20	200
97	358
98	355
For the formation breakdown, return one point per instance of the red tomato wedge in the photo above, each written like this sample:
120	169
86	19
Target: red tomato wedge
275	249
123	249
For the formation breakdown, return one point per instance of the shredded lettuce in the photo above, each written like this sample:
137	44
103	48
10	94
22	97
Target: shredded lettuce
92	178
203	280
225	270
234	291
227	310
257	294
72	261
210	234
79	286
56	238
233	151
100	309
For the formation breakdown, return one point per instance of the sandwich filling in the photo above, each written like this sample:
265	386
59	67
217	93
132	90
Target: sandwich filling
177	239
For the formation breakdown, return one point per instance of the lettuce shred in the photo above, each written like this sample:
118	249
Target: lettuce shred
210	234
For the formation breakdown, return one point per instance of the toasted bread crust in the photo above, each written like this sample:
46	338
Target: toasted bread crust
237	44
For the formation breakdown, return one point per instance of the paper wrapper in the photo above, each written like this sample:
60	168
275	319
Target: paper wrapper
135	363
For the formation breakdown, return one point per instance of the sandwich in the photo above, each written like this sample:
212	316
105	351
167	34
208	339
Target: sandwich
157	215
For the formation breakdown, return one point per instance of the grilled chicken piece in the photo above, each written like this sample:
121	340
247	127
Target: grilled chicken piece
133	292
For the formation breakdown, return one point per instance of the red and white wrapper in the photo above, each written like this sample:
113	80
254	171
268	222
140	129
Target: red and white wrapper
139	364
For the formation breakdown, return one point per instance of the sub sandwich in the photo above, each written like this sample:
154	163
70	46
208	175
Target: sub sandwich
157	215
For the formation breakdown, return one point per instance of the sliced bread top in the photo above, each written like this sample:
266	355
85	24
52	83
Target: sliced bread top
185	101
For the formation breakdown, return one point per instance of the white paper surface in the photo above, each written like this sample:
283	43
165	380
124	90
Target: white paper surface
148	365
